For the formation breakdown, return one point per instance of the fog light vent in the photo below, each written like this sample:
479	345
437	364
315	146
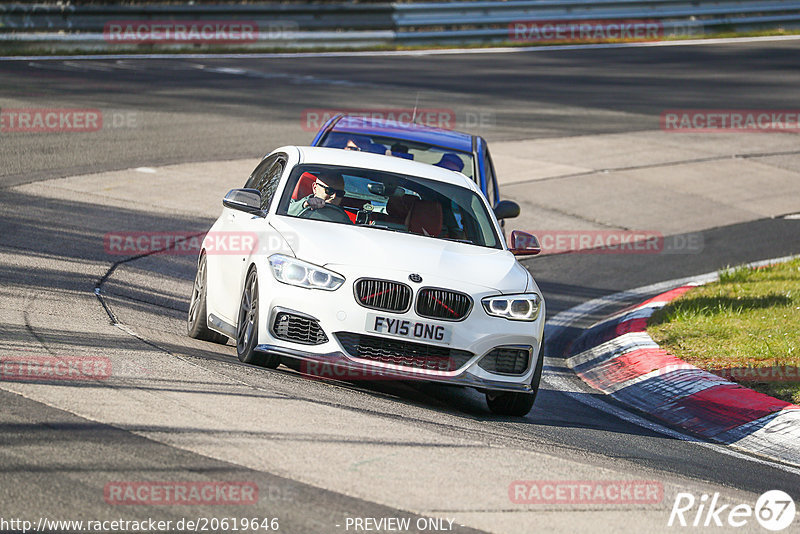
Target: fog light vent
506	360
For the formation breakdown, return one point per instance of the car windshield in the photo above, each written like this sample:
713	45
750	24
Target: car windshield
433	155
390	202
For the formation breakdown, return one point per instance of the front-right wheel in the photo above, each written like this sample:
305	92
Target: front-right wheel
517	404
247	327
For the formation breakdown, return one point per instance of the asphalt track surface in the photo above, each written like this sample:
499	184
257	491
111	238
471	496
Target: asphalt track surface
214	109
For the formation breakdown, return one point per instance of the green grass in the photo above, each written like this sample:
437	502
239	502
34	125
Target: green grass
750	318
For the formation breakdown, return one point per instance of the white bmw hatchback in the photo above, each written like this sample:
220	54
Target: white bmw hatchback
363	266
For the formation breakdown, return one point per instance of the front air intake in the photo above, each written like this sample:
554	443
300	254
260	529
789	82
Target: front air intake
506	360
298	329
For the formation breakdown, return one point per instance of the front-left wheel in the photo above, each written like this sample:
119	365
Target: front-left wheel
247	327
196	323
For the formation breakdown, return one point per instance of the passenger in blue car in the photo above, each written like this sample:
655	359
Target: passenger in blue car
353	142
352	145
363	144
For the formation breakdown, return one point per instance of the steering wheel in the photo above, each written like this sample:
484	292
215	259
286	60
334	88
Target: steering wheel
328	212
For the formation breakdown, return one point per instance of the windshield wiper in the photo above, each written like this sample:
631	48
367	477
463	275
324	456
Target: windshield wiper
467	241
382	228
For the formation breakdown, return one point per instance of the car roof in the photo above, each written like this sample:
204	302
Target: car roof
407	131
379	162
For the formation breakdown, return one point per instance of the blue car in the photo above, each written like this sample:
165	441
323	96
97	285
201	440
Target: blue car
458	151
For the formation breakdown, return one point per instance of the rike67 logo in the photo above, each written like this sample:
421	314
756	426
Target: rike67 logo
774	510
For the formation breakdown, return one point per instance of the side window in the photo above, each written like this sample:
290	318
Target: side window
266	177
491	181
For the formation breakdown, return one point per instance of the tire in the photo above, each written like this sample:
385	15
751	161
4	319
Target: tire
510	403
513	403
247	327
197	318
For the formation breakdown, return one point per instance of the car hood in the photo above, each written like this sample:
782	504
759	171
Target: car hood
331	244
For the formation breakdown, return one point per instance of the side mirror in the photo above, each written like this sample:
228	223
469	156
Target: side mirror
506	209
246	200
524	244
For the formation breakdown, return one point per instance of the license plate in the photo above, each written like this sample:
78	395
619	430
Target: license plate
406	328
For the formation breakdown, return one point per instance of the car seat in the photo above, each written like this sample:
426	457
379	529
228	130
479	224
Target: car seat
425	218
304	187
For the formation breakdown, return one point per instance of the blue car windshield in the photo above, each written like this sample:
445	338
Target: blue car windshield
433	155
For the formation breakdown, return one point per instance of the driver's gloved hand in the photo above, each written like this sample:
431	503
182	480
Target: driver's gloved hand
315	203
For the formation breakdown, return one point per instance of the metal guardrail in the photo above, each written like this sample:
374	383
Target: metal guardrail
506	12
297	25
39	17
490	20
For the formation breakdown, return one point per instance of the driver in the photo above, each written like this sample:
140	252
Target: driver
328	189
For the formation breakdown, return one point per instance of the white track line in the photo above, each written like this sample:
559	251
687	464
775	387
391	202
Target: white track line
427	52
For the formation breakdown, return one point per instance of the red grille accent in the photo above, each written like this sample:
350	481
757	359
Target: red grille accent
443	304
383	295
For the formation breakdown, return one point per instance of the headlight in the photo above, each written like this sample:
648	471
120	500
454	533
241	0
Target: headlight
515	307
300	273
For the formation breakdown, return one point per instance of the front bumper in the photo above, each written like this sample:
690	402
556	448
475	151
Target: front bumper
337	365
337	312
